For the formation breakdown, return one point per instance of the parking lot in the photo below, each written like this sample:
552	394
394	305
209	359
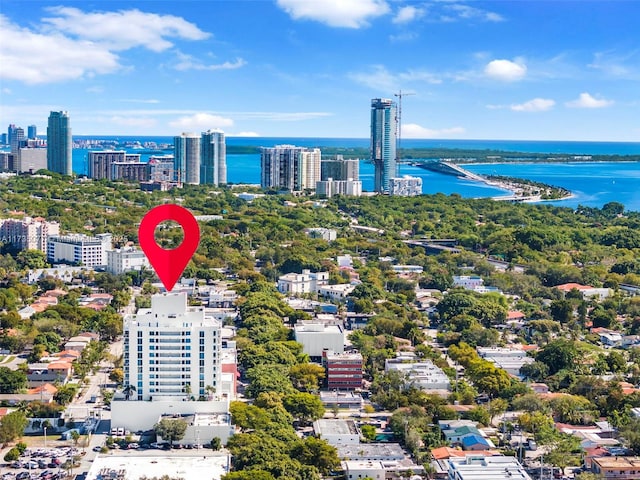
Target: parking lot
41	464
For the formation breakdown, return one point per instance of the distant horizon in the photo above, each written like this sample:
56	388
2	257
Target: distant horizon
367	138
461	69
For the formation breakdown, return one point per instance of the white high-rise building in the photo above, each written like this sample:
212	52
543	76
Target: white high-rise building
290	168
213	158
311	159
186	152
171	351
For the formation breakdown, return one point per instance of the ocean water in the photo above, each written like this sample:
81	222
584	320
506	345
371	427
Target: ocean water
592	183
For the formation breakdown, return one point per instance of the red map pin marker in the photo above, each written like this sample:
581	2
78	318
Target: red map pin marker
169	264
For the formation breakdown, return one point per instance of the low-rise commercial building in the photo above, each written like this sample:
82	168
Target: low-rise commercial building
126	259
344	370
423	375
486	468
317	337
79	249
337	431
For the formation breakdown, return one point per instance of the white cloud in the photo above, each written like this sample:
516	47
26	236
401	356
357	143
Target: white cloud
123	29
587	101
383	80
201	121
408	14
95	89
413	130
403	37
459	11
71	44
505	70
188	62
535	105
336	13
619	65
6	91
243	134
34	58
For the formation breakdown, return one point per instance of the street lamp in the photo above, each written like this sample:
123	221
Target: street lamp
45	436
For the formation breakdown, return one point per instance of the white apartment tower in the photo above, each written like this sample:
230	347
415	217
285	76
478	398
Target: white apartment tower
186	152
171	351
213	158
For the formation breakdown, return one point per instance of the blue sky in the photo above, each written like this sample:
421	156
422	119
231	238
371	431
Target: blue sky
556	70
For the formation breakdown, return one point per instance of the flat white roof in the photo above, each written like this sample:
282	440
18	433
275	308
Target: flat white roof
194	467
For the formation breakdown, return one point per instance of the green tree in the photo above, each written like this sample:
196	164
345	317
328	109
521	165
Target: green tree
307	376
65	393
12	426
215	444
306	407
116	376
170	429
368	432
249	475
12	381
558	355
32	259
316	452
12	455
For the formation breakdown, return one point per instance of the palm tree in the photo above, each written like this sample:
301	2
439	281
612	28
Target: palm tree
187	390
210	390
128	390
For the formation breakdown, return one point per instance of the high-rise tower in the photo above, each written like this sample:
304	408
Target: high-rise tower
213	158
289	167
383	142
187	158
59	143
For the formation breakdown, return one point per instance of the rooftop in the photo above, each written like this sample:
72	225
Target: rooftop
133	468
618	462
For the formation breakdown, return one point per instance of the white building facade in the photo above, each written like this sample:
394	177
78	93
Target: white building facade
79	249
126	259
317	337
171	351
305	282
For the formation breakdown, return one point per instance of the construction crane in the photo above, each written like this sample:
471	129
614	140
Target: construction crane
400	94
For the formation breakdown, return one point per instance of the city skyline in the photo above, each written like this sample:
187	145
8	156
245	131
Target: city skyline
475	70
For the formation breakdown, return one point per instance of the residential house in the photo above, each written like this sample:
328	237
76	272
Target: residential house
619	468
587	291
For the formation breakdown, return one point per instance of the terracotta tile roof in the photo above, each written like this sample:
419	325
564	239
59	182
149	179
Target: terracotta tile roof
46	388
566	287
59	366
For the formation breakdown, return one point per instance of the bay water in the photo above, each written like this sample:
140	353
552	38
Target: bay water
593	184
